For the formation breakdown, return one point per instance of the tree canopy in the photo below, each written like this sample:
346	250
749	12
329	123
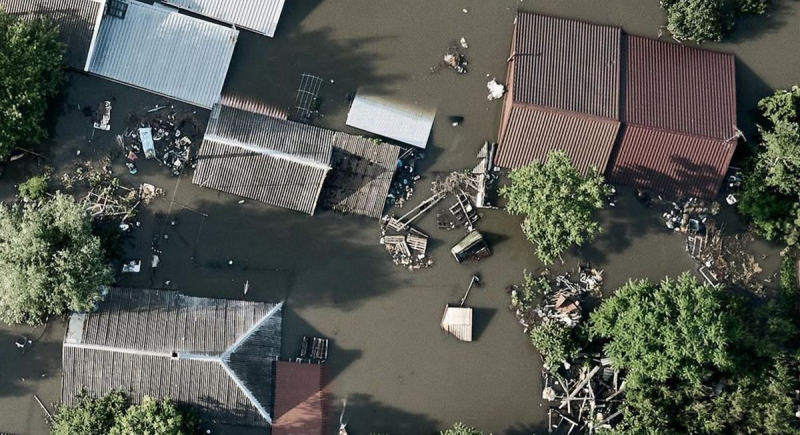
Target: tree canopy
31	74
707	20
558	202
112	414
461	429
50	263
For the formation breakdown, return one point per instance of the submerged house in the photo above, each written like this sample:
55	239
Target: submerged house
148	46
293	165
646	113
299	404
215	355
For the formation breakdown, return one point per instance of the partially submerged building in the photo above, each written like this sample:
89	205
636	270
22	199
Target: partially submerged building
648	114
299	406
260	16
287	164
458	322
215	355
148	46
376	115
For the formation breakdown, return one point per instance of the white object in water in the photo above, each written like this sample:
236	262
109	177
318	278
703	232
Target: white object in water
464	43
146	136
496	90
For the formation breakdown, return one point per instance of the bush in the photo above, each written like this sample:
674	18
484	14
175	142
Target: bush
35	188
555	342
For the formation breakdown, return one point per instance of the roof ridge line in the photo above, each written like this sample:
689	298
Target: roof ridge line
246	391
239	341
117	349
564	112
267	151
732	139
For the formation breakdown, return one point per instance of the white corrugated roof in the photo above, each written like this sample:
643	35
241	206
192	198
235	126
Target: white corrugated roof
375	116
157	49
260	16
458	321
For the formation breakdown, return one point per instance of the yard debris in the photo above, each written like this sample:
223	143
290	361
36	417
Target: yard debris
408	247
102	116
454	58
464	43
496	90
133	266
169	137
402	187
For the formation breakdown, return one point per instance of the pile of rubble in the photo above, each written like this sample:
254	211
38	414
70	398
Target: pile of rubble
408	247
690	216
585	397
162	134
402	187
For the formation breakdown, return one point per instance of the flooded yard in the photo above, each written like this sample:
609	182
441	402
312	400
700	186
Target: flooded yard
398	371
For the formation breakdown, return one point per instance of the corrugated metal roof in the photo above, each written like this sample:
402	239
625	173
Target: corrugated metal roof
158	49
567	65
458	321
214	355
299	406
260	16
252	105
533	132
76	20
672	163
405	125
679	88
362	175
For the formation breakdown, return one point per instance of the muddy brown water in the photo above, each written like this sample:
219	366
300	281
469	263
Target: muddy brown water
398	371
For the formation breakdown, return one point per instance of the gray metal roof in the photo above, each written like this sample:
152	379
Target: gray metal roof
260	16
213	354
278	162
76	20
362	175
406	125
160	50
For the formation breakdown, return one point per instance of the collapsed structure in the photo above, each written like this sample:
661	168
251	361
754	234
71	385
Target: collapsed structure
287	164
215	355
667	124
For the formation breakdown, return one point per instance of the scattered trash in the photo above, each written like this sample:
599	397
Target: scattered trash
464	43
731	200
133	266
464	10
131	168
167	137
155	261
241	201
496	90
147	192
102	116
246	286
146	138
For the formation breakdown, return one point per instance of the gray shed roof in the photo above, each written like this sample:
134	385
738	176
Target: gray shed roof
76	20
160	50
410	126
281	163
260	16
213	354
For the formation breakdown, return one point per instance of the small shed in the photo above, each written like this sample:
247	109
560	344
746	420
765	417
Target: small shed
404	124
458	321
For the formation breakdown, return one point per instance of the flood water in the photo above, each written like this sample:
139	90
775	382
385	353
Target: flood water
399	373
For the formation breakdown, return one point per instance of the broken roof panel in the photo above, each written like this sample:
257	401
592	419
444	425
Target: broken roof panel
260	16
212	354
155	48
672	163
299	406
532	133
679	88
458	321
407	125
76	20
567	65
362	175
278	162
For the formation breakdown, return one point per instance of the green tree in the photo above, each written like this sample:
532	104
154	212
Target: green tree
35	188
678	329
461	429
30	75
698	20
89	415
155	417
555	341
780	157
783	105
558	202
50	263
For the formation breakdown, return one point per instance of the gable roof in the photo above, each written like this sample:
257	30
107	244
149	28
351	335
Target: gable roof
681	89
566	65
213	354
299	408
157	49
532	133
672	163
404	124
260	16
76	20
278	162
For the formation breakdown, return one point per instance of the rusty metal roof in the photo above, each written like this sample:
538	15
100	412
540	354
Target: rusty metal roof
672	163
298	399
567	65
679	88
76	20
533	132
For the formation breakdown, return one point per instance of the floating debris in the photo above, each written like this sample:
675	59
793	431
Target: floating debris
496	90
102	116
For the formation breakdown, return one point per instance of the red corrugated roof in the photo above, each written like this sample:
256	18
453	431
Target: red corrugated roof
672	163
680	88
533	132
567	65
298	399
